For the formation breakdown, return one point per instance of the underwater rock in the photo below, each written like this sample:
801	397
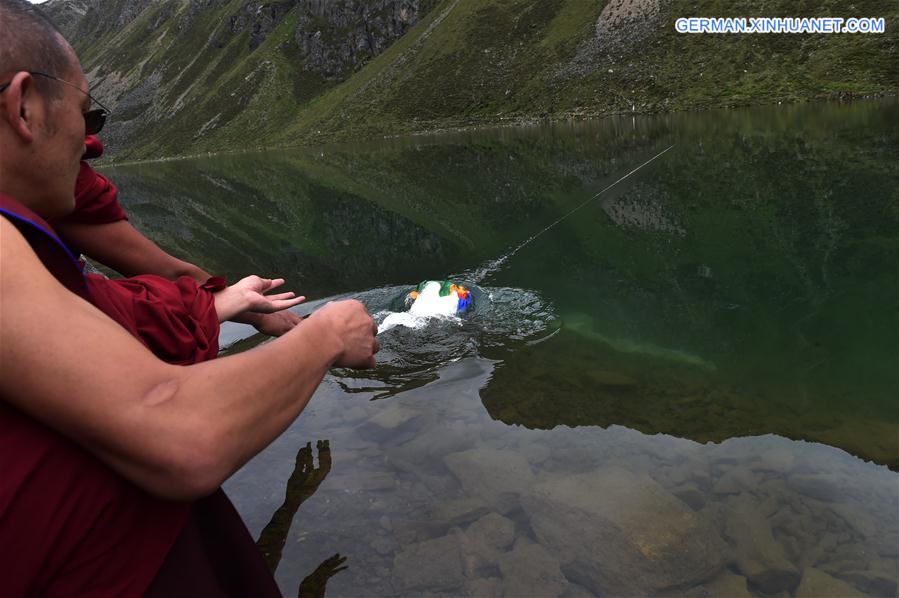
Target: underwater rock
693	470
492	530
530	570
460	511
823	487
495	475
484	587
393	417
433	565
620	533
728	584
847	555
818	584
407	531
384	545
780	459
573	590
759	556
425	447
690	494
385	523
769	506
879	579
483	543
534	452
364	481
735	480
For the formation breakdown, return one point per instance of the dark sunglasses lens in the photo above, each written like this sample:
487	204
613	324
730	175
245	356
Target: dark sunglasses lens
94	121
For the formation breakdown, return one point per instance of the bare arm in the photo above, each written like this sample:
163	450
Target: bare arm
123	248
178	432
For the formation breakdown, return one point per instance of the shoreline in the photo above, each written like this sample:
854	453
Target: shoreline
448	127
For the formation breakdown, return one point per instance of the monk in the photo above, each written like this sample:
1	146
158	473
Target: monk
112	459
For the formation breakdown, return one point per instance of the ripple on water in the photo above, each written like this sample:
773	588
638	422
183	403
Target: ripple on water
414	348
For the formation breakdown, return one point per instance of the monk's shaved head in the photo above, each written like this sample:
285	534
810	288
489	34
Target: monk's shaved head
31	42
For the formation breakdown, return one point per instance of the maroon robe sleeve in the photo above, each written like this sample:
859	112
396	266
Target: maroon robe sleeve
176	320
96	197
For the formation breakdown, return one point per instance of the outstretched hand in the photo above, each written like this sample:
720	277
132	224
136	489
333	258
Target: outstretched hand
248	295
253	289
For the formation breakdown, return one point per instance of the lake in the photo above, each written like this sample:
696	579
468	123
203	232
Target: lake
684	386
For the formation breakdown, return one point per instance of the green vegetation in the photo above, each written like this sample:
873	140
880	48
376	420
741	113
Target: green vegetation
192	78
515	59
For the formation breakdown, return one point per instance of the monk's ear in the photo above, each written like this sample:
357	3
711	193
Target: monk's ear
19	104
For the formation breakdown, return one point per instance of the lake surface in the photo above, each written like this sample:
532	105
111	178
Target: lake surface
686	387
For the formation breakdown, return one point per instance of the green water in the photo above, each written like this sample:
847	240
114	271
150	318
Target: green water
688	386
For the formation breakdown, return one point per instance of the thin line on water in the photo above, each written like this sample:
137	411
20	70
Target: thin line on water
494	265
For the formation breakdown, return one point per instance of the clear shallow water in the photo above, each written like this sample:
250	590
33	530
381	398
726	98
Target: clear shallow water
687	387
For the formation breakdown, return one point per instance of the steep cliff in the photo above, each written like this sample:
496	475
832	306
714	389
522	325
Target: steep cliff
176	71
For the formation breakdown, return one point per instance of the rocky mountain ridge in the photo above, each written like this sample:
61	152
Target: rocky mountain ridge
184	77
141	56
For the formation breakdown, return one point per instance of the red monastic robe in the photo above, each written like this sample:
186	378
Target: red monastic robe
69	525
176	320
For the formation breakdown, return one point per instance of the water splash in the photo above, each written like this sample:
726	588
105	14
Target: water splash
415	348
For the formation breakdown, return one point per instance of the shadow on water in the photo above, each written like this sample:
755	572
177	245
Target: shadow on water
302	484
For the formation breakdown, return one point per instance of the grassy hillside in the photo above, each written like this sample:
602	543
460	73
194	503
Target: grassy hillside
183	77
507	59
190	77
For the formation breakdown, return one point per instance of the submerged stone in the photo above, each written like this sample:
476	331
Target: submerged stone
759	556
433	565
728	584
691	495
494	475
620	533
460	511
493	530
485	587
735	480
530	570
818	584
824	487
878	580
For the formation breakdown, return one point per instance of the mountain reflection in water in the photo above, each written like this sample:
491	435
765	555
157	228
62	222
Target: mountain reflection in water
677	392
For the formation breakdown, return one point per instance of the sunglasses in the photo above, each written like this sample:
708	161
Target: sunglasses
93	119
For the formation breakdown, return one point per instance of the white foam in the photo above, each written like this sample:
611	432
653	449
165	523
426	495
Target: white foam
402	318
430	303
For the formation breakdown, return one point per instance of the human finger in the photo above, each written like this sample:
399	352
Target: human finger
286	303
254	281
274	283
280	296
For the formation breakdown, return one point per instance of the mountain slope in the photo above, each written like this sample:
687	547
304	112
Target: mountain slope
212	75
176	72
521	58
